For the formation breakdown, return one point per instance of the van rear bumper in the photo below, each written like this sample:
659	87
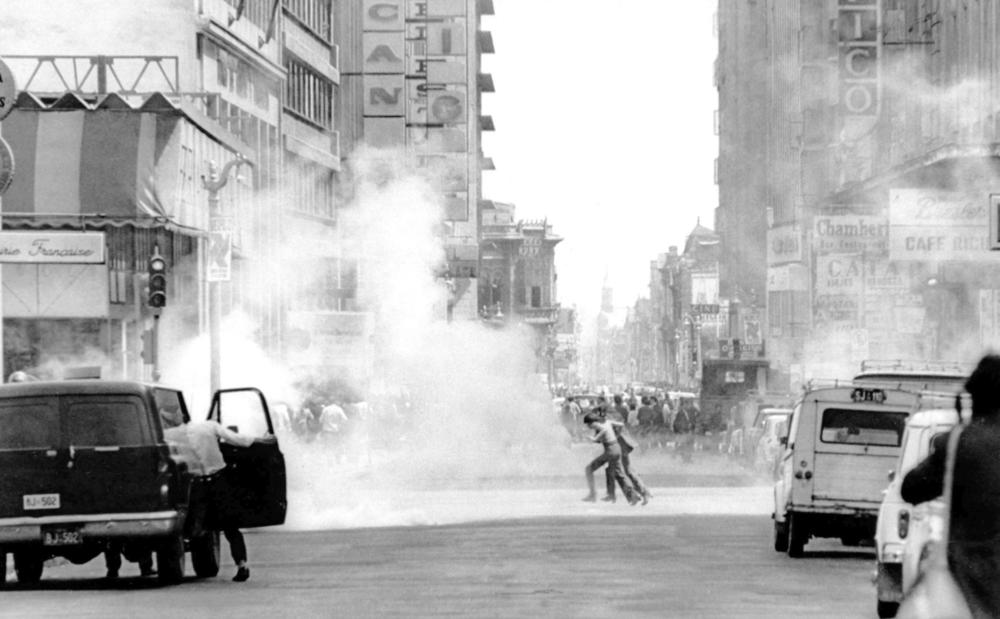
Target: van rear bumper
92	526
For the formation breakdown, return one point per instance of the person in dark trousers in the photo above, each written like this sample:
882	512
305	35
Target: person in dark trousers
604	434
113	561
201	440
627	444
974	544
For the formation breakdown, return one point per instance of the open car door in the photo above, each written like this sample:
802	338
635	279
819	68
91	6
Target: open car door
255	475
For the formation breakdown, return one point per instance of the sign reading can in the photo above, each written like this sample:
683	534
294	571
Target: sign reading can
49	247
40	501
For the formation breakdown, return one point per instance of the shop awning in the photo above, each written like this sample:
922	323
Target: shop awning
108	163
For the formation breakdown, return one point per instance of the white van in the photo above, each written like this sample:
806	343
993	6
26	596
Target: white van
902	530
841	442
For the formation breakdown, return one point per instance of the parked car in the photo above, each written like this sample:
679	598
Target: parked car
840	444
85	466
770	429
897	519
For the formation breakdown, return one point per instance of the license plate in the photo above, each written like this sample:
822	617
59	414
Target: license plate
61	537
41	501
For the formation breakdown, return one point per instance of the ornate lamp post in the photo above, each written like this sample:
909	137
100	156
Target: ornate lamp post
221	231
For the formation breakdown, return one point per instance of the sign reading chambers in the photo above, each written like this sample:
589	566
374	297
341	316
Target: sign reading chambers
52	247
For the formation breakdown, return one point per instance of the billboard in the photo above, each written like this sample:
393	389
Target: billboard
931	226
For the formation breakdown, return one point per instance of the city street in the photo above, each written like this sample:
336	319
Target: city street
694	551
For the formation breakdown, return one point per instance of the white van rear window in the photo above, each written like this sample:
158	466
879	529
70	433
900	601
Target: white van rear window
863	427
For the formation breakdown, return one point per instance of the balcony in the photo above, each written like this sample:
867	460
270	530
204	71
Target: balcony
539	315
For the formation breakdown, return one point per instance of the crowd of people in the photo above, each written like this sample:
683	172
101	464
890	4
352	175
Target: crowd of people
654	419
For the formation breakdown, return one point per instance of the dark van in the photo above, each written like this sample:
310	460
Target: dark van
85	465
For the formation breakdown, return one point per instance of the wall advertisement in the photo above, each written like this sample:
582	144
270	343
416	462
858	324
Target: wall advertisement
932	226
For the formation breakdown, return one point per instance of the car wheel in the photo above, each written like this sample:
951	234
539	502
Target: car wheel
781	536
3	568
887	609
28	565
798	535
205	554
170	560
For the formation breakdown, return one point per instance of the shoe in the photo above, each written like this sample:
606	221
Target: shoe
242	574
608	498
645	498
147	570
632	500
590	498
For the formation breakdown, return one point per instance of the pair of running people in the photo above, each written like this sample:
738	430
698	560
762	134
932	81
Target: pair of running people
618	444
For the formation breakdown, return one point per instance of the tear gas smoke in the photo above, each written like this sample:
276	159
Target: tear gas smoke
446	404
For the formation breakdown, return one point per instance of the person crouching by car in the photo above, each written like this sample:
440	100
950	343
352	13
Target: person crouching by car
200	439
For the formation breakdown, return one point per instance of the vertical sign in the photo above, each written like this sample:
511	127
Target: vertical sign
994	221
859	37
220	249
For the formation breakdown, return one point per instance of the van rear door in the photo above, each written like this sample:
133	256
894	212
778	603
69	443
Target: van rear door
857	442
33	465
114	458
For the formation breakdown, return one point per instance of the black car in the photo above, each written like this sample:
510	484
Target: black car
85	466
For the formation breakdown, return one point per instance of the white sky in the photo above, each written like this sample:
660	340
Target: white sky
604	113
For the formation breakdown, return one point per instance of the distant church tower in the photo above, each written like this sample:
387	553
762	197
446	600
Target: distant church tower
607	297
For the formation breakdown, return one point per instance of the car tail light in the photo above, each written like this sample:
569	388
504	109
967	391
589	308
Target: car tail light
903	527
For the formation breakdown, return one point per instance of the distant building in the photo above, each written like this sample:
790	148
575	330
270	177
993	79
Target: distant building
517	275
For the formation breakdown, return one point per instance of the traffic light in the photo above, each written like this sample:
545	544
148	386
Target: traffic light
157	268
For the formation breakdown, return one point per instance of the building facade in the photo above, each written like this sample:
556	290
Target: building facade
282	90
878	159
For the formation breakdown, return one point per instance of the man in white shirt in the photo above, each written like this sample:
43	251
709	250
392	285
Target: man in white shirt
198	444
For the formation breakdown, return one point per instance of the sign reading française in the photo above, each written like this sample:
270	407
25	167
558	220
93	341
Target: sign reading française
48	247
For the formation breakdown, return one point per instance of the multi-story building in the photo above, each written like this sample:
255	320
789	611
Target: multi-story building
114	134
411	82
873	146
257	84
517	276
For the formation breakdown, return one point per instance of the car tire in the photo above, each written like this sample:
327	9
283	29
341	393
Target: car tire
3	568
798	535
28	565
887	609
170	560
205	554
781	536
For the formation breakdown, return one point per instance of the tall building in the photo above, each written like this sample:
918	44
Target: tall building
874	169
411	82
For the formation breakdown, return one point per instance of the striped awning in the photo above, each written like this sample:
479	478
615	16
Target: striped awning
109	161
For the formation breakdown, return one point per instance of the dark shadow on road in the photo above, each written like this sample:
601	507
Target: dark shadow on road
839	554
137	583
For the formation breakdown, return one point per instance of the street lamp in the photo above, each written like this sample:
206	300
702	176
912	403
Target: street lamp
217	225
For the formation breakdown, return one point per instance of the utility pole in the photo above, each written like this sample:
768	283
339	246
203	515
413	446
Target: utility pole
217	272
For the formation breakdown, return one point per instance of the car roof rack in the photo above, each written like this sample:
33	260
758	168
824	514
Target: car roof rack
915	366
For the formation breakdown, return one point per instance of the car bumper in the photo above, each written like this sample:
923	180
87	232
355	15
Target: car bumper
889	582
92	526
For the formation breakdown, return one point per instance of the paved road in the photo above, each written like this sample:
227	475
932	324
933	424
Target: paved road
693	552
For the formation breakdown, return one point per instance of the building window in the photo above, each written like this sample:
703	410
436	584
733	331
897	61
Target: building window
312	187
309	95
314	15
256	11
536	296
